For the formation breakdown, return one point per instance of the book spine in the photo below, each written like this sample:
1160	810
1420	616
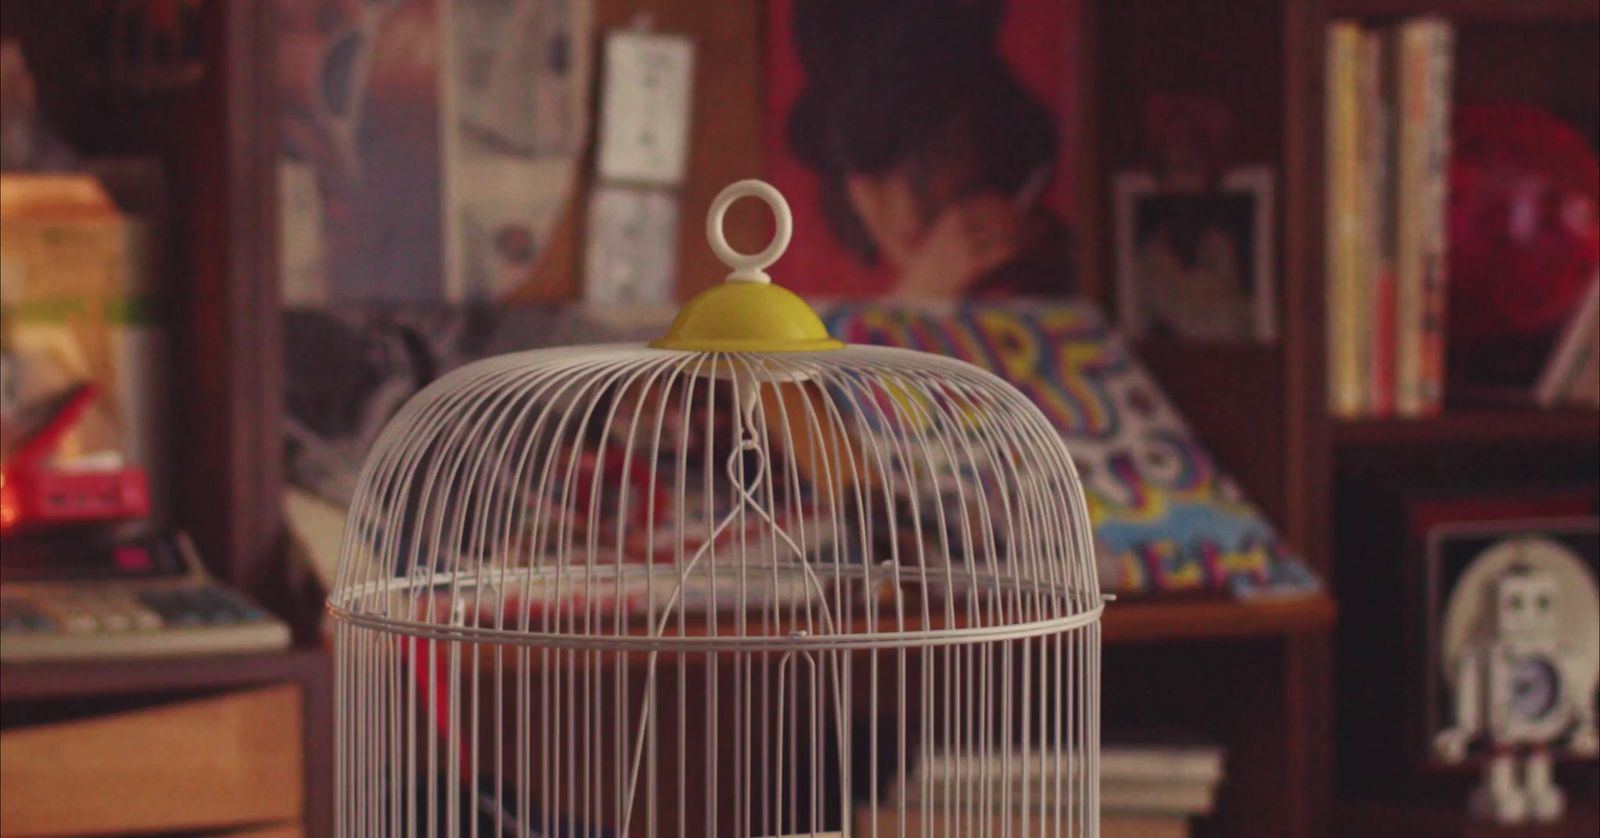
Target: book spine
1564	377
1346	387
1413	55
1441	73
1583	388
1386	331
1163	798
1377	273
1385	293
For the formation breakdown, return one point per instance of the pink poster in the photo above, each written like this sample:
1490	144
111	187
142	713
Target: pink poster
926	145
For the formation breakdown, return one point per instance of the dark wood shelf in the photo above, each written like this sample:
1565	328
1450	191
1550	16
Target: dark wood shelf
1372	817
76	679
1153	621
1485	10
1478	427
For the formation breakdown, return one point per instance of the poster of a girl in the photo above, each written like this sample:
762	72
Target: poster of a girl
930	156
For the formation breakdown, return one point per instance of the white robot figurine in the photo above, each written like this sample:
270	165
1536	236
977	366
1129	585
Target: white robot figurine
1516	689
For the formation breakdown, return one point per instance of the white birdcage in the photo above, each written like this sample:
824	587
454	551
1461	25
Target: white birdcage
743	581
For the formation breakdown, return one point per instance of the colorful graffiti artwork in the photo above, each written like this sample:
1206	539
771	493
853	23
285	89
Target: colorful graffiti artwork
1166	517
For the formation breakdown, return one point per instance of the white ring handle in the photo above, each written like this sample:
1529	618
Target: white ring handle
749	267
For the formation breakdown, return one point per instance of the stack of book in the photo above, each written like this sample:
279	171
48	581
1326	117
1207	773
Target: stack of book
1148	791
1388	147
1153	790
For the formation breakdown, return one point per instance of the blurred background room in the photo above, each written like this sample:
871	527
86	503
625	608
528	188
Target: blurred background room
1309	288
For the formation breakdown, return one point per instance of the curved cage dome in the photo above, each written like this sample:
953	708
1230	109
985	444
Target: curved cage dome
561	565
865	496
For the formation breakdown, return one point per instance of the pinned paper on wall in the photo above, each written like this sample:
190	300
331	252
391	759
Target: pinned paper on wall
429	147
632	250
644	116
632	241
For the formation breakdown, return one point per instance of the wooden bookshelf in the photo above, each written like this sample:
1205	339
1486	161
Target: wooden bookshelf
1542	53
1261	410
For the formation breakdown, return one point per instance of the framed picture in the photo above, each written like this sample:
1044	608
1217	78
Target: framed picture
1194	260
1464	564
